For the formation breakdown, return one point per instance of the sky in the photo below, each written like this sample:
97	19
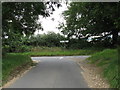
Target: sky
49	24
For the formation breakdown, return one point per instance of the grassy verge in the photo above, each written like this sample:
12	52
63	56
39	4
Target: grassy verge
57	51
62	53
108	61
11	62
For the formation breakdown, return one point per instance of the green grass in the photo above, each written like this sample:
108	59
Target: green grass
108	60
57	51
10	62
62	53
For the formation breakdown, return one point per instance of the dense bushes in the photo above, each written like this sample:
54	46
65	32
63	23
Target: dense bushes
24	44
78	44
49	40
17	44
83	43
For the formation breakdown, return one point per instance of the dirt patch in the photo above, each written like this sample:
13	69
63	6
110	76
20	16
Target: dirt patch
92	74
17	73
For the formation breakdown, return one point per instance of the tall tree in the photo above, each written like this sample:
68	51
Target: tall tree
91	19
21	18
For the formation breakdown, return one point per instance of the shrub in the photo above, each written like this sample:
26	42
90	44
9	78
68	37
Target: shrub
78	44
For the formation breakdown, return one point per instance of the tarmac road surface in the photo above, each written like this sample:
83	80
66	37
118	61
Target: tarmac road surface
53	72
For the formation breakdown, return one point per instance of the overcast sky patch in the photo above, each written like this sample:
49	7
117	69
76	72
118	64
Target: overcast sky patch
50	23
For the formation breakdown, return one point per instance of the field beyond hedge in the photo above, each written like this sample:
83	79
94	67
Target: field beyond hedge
57	51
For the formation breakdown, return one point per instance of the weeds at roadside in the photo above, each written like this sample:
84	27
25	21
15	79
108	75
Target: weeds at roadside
108	60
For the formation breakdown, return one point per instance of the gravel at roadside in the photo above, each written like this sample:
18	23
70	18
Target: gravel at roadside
92	74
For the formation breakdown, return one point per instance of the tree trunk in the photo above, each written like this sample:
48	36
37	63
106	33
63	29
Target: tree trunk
115	37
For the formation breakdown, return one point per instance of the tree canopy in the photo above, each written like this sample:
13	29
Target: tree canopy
85	19
22	16
21	19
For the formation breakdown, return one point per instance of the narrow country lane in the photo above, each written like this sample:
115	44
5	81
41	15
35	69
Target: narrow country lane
53	72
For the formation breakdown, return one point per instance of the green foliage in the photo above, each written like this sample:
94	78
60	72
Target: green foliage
108	60
20	19
15	44
46	49
10	62
49	40
24	44
24	48
78	44
91	19
99	42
